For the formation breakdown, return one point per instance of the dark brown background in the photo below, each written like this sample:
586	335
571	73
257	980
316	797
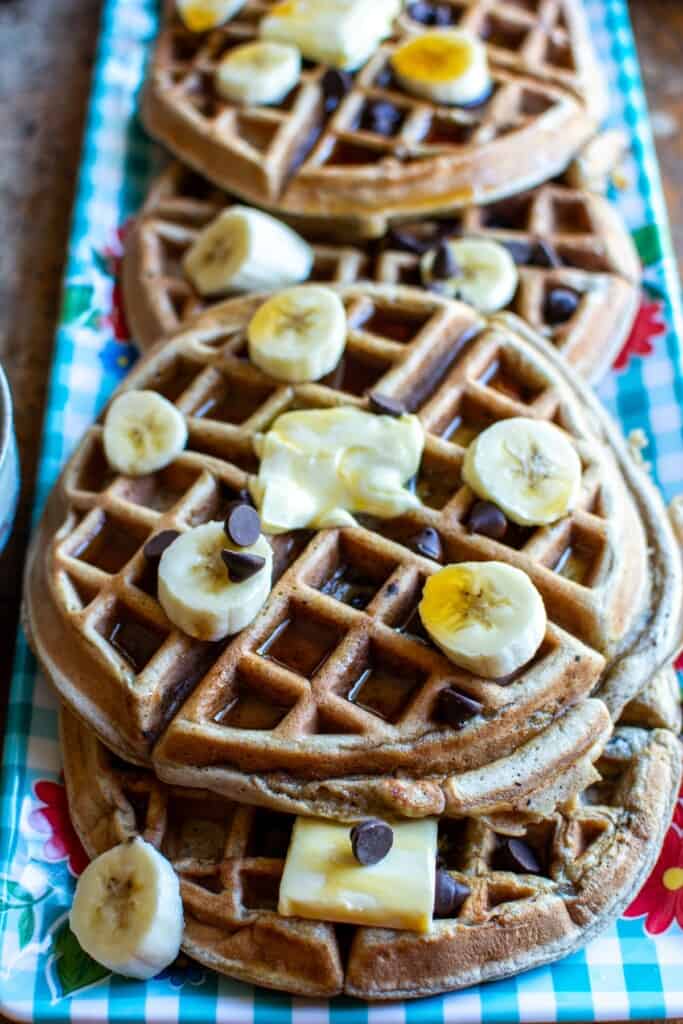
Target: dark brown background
46	54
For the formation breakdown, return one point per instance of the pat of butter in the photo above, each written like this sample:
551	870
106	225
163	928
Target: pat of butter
319	466
343	33
323	880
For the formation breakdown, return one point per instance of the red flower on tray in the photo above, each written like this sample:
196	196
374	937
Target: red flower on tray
649	324
660	900
52	820
110	262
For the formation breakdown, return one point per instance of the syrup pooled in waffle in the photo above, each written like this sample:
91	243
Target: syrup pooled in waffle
585	247
308	157
592	857
335	683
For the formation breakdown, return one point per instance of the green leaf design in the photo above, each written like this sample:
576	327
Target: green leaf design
648	244
76	301
26	927
101	263
75	969
13	896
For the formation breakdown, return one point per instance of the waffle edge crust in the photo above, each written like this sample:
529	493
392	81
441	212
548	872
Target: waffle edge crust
595	254
547	100
317	750
598	852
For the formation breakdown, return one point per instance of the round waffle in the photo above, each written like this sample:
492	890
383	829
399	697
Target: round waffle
295	711
594	855
548	98
584	246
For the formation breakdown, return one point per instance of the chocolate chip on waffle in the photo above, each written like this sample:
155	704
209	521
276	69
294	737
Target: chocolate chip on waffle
580	868
301	695
560	238
345	161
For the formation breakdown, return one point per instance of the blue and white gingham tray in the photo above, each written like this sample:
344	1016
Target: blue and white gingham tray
630	971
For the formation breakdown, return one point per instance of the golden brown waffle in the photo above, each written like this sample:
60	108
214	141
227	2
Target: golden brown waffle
548	98
581	232
295	711
594	855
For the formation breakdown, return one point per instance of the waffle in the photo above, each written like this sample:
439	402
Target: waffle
548	98
295	711
595	854
595	253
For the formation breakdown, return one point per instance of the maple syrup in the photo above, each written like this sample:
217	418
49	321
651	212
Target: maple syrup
350	586
250	711
384	690
234	403
301	645
135	640
95	473
575	563
355	376
500	378
395	325
110	548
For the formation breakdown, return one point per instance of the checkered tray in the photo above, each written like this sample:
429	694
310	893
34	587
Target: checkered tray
634	969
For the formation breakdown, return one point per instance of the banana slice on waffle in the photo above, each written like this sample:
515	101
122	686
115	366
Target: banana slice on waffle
202	15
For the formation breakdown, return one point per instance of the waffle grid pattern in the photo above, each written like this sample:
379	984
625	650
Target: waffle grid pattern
298	145
594	254
313	662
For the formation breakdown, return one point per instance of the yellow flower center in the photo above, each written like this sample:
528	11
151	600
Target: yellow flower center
673	879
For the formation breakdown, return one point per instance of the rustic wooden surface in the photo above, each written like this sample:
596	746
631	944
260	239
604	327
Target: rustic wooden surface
46	53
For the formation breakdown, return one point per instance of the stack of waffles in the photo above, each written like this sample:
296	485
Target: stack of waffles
526	794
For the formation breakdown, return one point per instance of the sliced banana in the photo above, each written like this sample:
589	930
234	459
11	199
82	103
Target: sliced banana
258	73
196	592
202	15
446	66
477	270
127	912
299	334
487	617
143	432
245	250
529	468
342	33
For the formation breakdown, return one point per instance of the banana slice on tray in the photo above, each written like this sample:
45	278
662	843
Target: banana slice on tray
197	590
342	33
299	334
487	617
258	73
447	66
476	270
527	467
202	15
127	912
143	432
244	250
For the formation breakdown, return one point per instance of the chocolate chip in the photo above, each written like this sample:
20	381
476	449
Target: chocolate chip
488	520
444	15
381	117
545	255
241	565
245	497
560	305
371	841
335	85
242	524
521	252
385	405
428	543
516	855
432	14
156	545
454	708
445	265
449	894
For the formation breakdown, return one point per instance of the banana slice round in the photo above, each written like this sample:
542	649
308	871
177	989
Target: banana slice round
202	15
127	912
299	334
245	250
446	66
527	467
258	73
195	589
143	432
486	617
477	270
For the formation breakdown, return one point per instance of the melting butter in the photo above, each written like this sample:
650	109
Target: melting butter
323	880
320	466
